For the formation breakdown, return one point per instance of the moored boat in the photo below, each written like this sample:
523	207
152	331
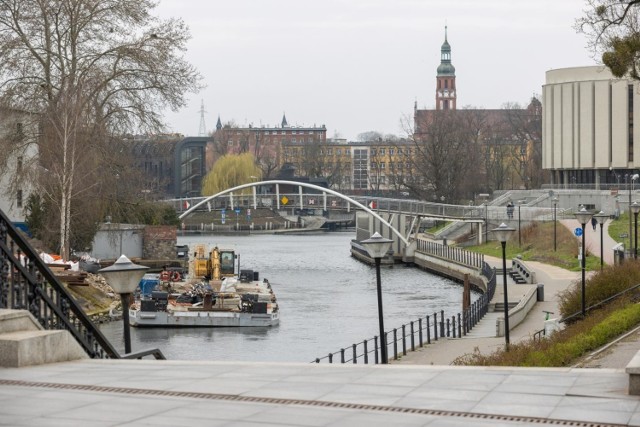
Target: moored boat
222	299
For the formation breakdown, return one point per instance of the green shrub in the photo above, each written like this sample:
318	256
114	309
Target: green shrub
565	347
600	286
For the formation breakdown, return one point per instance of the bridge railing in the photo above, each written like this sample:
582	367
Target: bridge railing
319	201
420	332
26	283
310	202
450	253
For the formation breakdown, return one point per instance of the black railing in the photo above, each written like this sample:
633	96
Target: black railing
451	253
578	315
26	283
420	332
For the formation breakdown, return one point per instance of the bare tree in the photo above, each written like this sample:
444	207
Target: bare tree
613	30
371	135
524	127
442	154
88	69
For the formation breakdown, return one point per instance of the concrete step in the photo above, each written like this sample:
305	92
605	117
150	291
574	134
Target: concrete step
23	342
499	307
17	320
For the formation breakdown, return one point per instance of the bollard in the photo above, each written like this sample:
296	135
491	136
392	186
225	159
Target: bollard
366	353
442	323
413	343
453	326
355	354
420	332
330	357
435	326
395	344
428	331
448	335
375	347
459	326
317	360
342	355
386	343
404	340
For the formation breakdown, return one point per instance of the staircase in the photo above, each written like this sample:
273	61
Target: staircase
40	322
24	342
517	277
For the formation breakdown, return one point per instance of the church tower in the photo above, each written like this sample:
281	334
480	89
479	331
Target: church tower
446	79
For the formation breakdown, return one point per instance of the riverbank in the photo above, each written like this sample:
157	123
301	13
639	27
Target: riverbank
482	339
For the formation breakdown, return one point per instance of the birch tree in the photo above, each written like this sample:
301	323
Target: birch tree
88	71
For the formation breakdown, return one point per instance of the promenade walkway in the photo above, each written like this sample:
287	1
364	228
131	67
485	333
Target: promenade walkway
104	393
483	337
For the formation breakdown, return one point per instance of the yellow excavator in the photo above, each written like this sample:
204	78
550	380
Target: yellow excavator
219	264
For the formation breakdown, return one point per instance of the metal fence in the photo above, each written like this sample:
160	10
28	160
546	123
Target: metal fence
420	332
26	283
451	253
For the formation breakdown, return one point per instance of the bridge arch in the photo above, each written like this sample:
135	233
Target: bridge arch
255	185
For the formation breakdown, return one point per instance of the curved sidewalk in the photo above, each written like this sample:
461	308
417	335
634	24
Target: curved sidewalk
445	351
592	239
555	279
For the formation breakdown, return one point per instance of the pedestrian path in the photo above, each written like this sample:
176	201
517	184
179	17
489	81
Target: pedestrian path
592	239
483	336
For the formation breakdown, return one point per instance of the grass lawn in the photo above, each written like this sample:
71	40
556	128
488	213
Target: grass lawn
620	227
537	245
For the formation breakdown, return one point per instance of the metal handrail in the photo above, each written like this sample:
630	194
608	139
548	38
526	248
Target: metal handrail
420	332
542	332
26	283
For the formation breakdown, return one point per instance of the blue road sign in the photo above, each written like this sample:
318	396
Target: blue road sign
578	231
237	210
223	211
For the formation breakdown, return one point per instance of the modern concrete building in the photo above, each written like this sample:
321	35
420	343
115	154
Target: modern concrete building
589	135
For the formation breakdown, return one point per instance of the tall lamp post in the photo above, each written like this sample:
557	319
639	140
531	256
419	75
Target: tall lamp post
555	222
601	217
583	216
502	233
520	202
635	208
630	179
124	276
377	247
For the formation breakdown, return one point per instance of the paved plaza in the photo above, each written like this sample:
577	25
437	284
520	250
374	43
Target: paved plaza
172	393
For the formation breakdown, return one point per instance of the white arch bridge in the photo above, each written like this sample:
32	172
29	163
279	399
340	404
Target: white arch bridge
396	219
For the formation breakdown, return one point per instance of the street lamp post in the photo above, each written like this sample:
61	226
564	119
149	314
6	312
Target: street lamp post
502	233
583	216
630	179
555	222
635	208
377	247
601	217
520	202
124	276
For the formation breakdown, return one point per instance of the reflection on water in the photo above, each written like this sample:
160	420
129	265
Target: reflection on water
327	301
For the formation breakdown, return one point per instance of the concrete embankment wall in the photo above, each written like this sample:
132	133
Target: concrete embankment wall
450	269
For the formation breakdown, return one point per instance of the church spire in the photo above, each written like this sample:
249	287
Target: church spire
219	124
446	78
284	121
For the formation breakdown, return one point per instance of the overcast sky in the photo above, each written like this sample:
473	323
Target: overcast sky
359	65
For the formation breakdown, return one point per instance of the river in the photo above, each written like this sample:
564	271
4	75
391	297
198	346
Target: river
327	301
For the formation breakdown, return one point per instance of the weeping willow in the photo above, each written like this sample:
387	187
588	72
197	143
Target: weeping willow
229	171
